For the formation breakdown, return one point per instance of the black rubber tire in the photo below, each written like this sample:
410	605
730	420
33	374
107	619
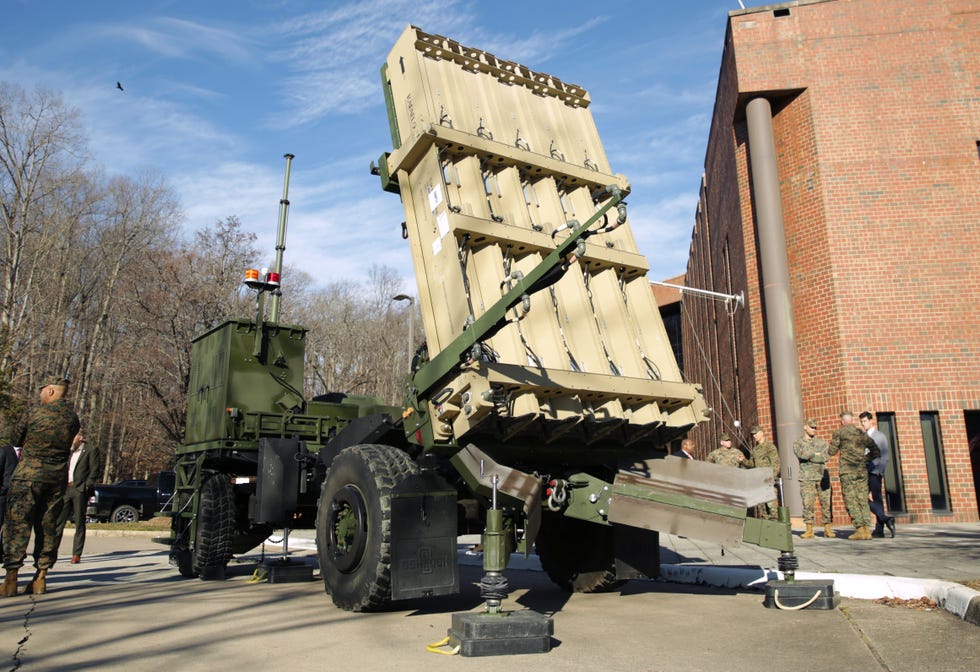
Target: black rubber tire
353	525
125	513
181	557
215	526
577	555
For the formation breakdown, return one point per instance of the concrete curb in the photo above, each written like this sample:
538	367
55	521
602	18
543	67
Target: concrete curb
953	597
146	534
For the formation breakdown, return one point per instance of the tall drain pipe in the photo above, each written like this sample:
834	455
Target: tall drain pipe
784	362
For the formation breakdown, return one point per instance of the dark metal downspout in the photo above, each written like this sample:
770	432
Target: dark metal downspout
781	334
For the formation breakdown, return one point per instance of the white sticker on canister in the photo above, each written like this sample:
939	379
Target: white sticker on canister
435	197
442	221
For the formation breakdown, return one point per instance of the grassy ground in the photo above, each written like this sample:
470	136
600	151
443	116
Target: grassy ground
152	525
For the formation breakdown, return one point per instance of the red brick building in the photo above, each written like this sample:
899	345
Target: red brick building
874	110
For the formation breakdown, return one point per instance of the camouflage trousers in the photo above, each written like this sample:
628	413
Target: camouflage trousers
854	486
810	491
32	507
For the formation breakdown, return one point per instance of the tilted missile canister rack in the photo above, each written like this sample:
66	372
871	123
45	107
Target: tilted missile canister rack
544	394
547	349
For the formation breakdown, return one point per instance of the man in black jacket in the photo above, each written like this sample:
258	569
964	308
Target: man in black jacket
8	460
84	470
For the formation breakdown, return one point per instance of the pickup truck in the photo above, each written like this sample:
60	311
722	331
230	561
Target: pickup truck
130	501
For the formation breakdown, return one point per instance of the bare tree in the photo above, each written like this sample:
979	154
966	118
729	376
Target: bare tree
95	282
357	340
196	288
42	151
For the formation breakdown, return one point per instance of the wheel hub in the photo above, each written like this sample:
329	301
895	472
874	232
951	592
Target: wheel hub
348	528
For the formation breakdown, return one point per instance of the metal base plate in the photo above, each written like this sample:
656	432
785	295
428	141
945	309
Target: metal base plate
508	633
808	594
287	571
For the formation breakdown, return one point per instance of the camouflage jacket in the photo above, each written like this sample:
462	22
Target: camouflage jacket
765	455
813	455
855	447
726	456
47	444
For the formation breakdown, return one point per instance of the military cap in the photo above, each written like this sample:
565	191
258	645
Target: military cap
57	381
810	422
755	429
725	437
845	414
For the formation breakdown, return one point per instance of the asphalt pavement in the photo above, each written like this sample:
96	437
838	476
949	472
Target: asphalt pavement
124	608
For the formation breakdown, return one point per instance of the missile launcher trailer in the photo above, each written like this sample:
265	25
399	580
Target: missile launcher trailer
544	394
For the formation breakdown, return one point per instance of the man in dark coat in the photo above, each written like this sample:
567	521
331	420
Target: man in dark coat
37	488
8	460
876	475
84	468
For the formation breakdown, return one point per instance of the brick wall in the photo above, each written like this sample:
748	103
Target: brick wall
876	124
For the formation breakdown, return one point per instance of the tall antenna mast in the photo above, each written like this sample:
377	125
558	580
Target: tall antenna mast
281	240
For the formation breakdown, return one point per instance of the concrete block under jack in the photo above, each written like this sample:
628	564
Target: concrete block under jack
807	594
507	633
287	571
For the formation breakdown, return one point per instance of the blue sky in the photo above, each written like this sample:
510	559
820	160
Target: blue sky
217	91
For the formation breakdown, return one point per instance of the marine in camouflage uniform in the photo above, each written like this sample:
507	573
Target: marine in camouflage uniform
813	454
725	454
37	488
765	454
856	449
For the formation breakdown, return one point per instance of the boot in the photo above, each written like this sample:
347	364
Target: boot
809	532
38	586
9	584
828	532
862	533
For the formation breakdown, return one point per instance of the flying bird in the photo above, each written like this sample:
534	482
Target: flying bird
119	86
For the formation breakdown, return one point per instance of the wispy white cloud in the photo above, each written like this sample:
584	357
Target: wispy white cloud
538	47
335	54
664	154
132	130
174	38
662	229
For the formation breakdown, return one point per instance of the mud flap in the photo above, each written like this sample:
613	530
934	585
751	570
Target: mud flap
423	538
278	485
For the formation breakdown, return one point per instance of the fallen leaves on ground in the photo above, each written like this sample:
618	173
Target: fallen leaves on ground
920	603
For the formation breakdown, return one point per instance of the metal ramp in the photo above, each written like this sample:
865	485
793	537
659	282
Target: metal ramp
497	165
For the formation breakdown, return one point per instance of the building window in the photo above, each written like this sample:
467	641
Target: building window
973	441
935	464
894	490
